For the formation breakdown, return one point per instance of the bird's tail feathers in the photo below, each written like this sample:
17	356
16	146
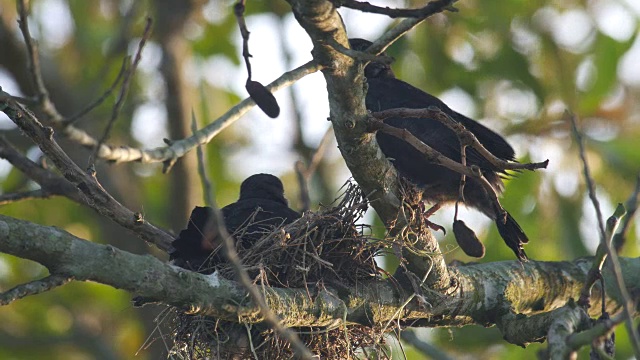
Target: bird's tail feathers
513	236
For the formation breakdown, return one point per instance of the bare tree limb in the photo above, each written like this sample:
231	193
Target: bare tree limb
484	290
427	10
93	193
613	257
179	148
50	182
124	88
568	320
466	137
33	288
25	195
631	205
33	64
207	189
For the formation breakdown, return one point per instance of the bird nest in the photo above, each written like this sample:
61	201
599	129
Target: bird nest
321	248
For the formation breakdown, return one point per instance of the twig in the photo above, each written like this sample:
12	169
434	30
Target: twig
93	193
124	88
305	199
586	337
73	119
319	153
33	288
238	10
627	304
405	26
202	169
631	205
304	173
50	182
26	195
179	148
33	64
299	348
359	55
424	347
595	272
422	12
466	137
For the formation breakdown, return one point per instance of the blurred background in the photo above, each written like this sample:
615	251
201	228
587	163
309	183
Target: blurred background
515	66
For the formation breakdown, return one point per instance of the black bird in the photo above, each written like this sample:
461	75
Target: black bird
440	185
260	208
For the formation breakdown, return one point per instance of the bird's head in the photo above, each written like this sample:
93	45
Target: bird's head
374	69
263	186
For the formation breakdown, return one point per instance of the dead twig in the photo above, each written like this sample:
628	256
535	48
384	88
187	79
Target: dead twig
627	303
33	288
631	205
73	119
33	65
466	137
93	193
435	157
50	182
207	189
124	89
431	8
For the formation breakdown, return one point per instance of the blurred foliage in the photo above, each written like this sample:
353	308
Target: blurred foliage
514	65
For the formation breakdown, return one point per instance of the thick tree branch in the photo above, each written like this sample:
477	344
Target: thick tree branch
483	291
369	167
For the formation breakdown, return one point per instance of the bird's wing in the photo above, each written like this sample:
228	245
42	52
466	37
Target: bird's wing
389	93
245	212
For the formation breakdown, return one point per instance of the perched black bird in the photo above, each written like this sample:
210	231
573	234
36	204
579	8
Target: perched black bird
261	208
440	184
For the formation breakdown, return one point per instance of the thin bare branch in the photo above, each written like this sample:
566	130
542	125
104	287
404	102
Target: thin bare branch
405	26
613	257
26	195
424	347
631	205
33	63
93	194
207	189
124	89
74	118
435	157
428	10
600	257
179	148
466	137
33	288
50	182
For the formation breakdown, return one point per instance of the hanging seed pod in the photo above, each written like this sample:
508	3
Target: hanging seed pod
264	98
467	239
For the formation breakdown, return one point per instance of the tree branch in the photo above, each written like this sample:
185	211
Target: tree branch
374	173
427	10
92	192
483	291
33	288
